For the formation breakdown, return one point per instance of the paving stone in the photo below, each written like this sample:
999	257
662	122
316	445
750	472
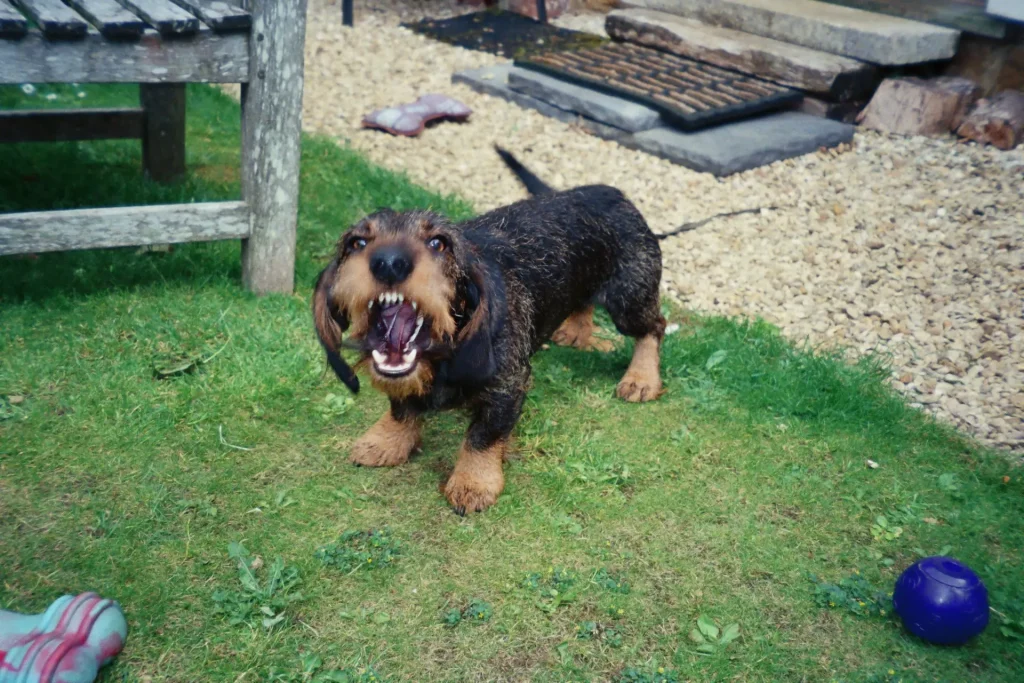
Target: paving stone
875	38
493	80
841	78
744	145
614	111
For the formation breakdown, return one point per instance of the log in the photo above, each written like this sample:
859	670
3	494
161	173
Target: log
914	106
998	121
837	111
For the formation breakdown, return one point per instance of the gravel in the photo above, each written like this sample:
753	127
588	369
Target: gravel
909	247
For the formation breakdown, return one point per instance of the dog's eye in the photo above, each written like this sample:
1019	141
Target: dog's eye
437	244
357	244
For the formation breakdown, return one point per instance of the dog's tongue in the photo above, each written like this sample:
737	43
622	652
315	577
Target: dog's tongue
399	321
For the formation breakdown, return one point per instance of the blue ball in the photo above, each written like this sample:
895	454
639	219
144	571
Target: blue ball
941	600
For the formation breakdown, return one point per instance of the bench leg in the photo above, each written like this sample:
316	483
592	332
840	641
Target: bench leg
163	131
271	137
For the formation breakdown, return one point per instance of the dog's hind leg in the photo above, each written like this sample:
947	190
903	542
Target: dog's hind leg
578	331
632	299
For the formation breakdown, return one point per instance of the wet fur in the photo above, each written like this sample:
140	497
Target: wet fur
511	278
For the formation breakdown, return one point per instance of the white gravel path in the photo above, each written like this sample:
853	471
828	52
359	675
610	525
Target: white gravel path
912	247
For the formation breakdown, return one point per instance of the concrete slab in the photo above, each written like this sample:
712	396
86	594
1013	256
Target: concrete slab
741	146
614	111
875	38
493	80
840	78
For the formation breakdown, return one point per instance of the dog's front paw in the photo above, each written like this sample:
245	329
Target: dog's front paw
386	444
637	388
477	480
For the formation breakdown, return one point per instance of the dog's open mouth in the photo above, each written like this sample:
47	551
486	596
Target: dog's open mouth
398	334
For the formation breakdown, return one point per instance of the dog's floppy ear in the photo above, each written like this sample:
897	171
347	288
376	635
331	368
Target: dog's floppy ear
330	322
474	361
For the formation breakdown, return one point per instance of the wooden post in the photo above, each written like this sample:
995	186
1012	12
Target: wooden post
346	13
163	130
271	137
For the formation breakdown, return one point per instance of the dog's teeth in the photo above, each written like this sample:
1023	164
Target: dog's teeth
369	304
381	298
419	324
401	298
409	357
414	305
379	357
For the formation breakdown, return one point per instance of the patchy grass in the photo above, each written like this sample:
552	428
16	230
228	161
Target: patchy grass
664	542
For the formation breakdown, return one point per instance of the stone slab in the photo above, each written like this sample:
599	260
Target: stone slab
493	80
614	111
839	78
741	146
1007	9
875	38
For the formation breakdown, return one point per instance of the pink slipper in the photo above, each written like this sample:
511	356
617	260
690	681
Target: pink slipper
68	643
410	119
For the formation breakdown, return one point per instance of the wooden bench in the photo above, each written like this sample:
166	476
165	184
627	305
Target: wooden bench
161	45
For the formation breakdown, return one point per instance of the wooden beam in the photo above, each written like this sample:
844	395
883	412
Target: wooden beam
205	57
12	23
271	135
163	135
57	20
110	18
41	231
62	125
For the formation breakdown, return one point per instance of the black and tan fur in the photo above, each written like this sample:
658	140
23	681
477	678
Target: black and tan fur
491	290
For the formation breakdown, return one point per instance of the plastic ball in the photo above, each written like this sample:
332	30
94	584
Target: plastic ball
941	600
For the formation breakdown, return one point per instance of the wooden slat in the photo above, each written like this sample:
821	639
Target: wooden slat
218	15
61	125
41	231
163	141
54	18
110	18
206	57
11	21
164	16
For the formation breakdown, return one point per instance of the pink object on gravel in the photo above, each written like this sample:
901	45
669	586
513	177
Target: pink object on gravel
68	643
410	119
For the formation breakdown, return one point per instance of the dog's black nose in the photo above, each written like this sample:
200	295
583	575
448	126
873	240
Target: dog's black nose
391	264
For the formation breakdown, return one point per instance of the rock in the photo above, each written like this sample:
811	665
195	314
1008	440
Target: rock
913	106
998	121
840	78
613	111
734	147
867	36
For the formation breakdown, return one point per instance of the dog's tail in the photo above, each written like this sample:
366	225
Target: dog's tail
532	183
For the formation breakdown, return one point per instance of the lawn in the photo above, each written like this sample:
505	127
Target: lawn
663	542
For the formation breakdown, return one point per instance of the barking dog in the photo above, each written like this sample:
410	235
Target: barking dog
448	315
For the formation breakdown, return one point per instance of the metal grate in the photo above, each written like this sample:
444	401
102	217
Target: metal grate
688	93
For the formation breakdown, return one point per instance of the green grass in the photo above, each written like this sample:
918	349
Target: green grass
620	525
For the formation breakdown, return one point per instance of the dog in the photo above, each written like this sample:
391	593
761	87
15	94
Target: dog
448	315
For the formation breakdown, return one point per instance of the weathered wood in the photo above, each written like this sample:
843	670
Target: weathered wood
998	121
61	125
163	135
959	15
110	18
346	13
12	23
56	20
41	231
271	133
206	57
164	16
839	78
218	15
993	64
913	106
